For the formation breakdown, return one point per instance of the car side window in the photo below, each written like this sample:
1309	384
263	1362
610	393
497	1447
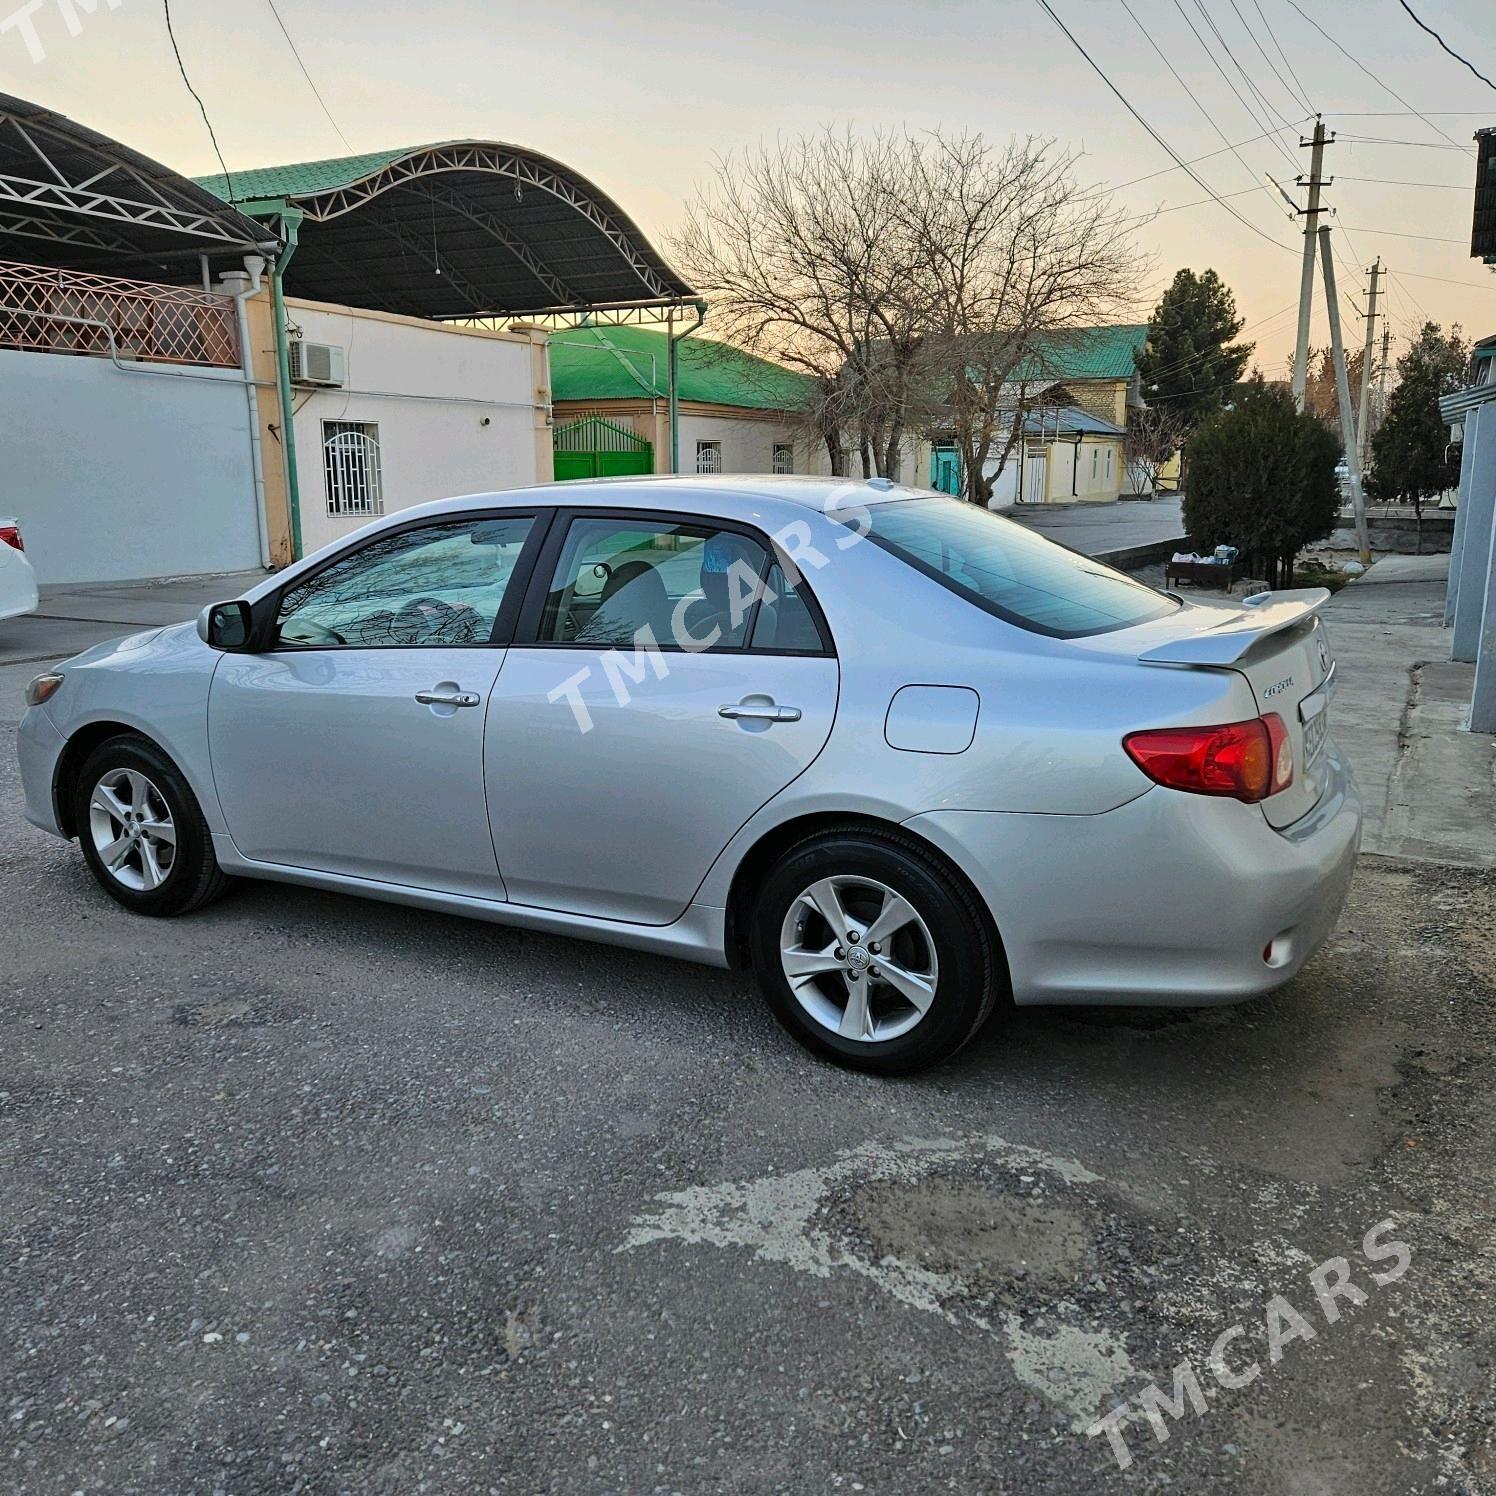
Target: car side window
432	585
691	585
785	624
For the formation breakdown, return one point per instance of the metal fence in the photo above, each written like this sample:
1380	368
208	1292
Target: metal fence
66	311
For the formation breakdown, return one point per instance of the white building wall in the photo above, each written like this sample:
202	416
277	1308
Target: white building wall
747	443
118	475
456	411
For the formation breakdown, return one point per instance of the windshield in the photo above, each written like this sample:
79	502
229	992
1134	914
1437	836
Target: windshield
1012	572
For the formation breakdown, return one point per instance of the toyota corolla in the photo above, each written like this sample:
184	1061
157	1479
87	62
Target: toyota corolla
904	759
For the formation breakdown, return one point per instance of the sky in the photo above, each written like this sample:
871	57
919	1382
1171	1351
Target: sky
646	99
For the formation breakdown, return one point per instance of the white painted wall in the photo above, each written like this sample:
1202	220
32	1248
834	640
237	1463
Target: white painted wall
747	444
430	389
117	476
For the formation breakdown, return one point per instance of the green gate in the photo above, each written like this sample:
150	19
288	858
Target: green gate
594	447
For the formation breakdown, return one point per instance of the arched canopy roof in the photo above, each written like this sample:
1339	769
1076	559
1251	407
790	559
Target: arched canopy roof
458	230
77	200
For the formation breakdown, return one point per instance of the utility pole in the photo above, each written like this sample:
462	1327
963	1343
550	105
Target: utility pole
1343	390
1363	420
1382	372
1306	277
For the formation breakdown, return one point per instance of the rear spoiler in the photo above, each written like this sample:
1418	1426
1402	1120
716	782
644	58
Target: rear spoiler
1224	643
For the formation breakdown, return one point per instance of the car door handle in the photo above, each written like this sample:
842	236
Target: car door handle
755	711
448	698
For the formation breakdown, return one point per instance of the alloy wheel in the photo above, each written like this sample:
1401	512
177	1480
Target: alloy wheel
132	829
859	958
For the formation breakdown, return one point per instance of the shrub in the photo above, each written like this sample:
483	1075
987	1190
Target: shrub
1262	478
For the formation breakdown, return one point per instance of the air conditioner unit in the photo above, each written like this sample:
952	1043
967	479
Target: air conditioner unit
317	363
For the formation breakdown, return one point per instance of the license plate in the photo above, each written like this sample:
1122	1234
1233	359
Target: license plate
1316	729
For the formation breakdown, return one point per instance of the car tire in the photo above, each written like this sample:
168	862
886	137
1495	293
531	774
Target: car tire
946	954
132	803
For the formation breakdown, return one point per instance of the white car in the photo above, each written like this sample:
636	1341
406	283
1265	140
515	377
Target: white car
17	580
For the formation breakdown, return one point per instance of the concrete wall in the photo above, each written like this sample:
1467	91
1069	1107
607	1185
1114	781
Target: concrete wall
118	475
458	410
1398	534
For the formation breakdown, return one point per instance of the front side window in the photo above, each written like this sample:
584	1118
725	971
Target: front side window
691	586
784	457
1008	570
350	464
708	457
437	584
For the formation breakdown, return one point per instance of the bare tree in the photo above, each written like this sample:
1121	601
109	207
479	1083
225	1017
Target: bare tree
916	278
1155	433
801	250
1015	259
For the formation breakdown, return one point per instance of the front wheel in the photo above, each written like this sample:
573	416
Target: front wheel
142	833
872	953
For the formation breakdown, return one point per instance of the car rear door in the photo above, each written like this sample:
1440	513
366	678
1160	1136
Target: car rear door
647	709
354	744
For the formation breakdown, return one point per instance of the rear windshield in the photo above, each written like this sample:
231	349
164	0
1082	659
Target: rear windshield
1012	572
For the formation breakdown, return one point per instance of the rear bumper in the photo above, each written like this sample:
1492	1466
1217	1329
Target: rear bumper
1172	899
39	745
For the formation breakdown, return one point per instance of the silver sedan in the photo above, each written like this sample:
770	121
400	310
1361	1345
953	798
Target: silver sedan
904	759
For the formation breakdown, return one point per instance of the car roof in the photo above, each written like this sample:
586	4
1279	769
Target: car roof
663	490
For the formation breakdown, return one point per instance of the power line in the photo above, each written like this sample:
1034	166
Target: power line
1164	171
1194	99
1250	81
299	63
1468	285
1278	46
1226	78
1387	87
203	108
1361	228
1294	101
1427	145
1445	44
1400	182
1159	140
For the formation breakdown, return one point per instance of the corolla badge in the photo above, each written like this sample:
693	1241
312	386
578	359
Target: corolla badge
1278	687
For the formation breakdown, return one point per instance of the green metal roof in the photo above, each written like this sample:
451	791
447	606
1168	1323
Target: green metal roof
462	228
301	177
628	363
1090	353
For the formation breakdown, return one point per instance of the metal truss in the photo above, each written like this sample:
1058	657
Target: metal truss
526	172
115	193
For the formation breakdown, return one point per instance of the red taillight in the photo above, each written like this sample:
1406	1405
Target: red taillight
1245	760
11	536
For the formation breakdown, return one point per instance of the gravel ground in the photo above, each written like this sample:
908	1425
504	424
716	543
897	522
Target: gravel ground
309	1194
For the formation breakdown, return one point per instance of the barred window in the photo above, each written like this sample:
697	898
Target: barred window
784	457
708	457
350	460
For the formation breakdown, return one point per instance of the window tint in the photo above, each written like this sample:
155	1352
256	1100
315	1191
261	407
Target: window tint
438	584
1012	572
784	623
691	586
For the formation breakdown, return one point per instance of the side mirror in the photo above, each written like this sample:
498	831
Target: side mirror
225	625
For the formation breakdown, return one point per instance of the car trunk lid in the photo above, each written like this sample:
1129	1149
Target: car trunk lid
1276	640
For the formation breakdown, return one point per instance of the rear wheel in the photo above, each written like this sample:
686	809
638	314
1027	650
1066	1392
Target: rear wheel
142	832
871	953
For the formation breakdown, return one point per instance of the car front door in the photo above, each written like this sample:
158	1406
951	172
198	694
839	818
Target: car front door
354	744
665	683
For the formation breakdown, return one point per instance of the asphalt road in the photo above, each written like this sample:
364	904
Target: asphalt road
309	1194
